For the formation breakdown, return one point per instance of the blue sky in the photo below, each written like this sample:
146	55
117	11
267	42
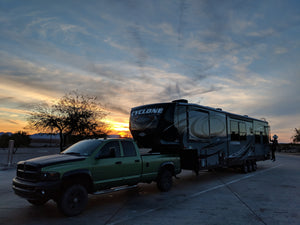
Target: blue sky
242	56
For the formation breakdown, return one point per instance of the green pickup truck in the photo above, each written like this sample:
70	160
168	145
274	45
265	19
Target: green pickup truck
89	167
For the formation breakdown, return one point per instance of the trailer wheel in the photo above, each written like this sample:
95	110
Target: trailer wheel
249	165
73	200
245	168
164	181
254	165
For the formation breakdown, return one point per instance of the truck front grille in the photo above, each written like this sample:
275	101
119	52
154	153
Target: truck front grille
28	172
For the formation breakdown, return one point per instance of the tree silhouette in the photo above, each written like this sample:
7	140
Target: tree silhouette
73	114
21	139
296	137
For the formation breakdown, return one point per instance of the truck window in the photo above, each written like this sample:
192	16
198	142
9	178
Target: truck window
83	148
110	150
128	149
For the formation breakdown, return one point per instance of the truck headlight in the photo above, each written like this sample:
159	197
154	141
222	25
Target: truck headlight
48	176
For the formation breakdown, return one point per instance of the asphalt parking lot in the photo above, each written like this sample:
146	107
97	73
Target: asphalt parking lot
268	196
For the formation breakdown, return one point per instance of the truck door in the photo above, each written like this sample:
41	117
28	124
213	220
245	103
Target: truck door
131	163
107	170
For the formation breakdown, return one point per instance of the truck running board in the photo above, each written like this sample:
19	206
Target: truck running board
114	190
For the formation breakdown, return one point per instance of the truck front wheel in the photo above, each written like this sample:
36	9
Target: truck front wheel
164	181
73	200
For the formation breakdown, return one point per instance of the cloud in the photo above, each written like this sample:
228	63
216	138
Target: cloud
12	122
229	54
280	50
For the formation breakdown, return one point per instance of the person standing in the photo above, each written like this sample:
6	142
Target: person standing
274	146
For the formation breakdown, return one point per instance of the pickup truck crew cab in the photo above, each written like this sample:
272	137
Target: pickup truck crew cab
88	167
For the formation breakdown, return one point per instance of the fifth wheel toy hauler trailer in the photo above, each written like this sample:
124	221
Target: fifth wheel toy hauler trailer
204	137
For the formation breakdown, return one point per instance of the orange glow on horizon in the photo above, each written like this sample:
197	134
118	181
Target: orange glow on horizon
119	128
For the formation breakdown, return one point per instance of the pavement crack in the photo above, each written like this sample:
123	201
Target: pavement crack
241	200
115	213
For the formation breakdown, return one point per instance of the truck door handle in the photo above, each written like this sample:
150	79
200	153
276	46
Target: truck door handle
118	162
137	160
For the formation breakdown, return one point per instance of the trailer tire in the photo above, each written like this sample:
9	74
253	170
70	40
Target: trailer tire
254	165
73	200
244	167
164	181
250	167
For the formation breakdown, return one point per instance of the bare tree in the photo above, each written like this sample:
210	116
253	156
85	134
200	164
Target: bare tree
296	137
73	114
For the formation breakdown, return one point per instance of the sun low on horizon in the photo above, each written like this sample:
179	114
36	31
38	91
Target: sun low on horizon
14	120
115	128
119	128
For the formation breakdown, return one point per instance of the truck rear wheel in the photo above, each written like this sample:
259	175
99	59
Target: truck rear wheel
73	200
165	181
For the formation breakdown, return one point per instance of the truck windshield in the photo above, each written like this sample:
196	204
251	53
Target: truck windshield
83	148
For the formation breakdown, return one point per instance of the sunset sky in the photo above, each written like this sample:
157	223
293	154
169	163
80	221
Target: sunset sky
241	56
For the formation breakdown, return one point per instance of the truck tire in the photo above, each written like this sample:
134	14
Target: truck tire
73	200
164	181
38	202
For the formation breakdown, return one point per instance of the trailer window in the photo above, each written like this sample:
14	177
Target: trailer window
260	132
217	123
266	135
145	118
234	131
198	125
242	131
238	131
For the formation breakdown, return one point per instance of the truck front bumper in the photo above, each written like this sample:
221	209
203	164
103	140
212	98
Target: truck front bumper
36	190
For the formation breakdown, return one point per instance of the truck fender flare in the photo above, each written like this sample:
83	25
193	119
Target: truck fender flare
167	165
75	172
75	175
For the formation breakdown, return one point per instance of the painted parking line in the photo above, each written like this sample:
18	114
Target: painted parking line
233	181
194	195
